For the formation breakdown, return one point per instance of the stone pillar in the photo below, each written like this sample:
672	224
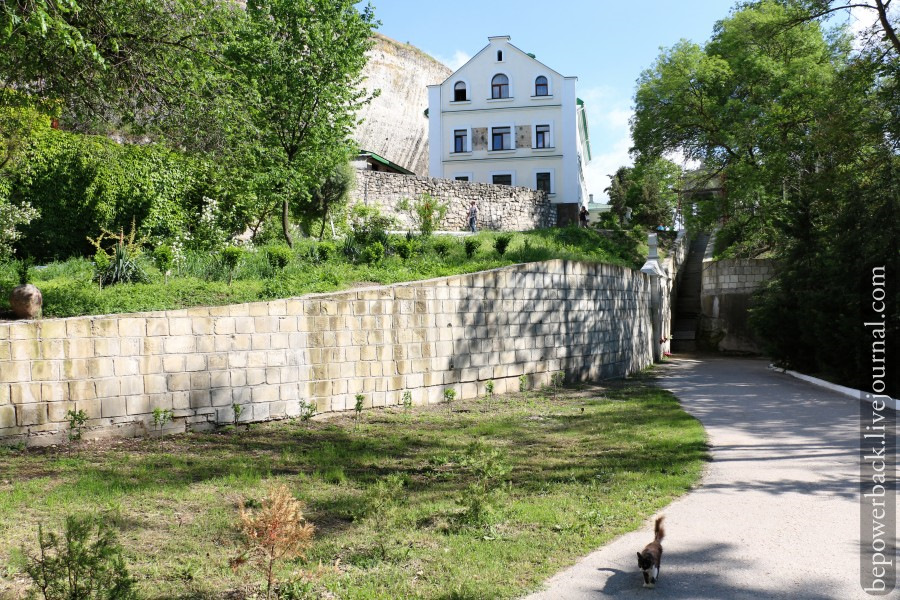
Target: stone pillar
658	281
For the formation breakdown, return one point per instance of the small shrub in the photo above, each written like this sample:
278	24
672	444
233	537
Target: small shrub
164	258
118	264
231	258
307	410
325	251
237	410
441	247
76	419
407	400
404	249
85	563
489	390
501	243
449	395
360	398
278	257
373	253
426	211
161	416
523	383
22	271
278	531
472	246
487	466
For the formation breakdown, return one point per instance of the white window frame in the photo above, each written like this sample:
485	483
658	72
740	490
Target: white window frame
468	140
550	135
512	179
468	174
552	172
549	86
453	91
512	137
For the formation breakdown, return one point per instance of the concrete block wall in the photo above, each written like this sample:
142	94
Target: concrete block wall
591	321
727	287
501	207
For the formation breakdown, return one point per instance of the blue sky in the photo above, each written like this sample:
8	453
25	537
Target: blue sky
605	43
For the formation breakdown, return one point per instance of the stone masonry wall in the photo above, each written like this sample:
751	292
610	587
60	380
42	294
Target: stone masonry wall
591	321
500	207
725	294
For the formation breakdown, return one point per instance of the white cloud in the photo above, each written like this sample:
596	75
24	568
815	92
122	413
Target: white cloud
604	164
458	59
609	113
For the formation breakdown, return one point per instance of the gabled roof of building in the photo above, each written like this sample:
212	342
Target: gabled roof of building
513	46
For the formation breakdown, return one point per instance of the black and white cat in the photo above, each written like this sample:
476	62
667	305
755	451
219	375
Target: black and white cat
650	556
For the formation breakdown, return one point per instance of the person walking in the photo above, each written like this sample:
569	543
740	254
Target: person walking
583	216
473	217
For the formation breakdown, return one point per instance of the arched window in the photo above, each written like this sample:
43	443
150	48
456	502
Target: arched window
459	92
500	86
540	86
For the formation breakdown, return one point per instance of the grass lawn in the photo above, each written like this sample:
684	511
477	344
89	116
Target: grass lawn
202	280
578	469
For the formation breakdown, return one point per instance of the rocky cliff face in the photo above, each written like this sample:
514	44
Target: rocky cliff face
394	124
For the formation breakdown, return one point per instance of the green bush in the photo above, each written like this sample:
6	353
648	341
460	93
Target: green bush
426	211
85	563
404	249
501	243
472	246
373	253
326	251
82	184
164	258
442	247
231	258
278	257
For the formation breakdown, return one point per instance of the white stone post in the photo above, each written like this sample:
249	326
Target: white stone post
658	280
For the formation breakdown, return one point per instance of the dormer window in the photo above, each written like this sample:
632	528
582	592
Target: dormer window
500	86
459	92
499	55
541	87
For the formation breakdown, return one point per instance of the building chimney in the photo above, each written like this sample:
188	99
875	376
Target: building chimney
590	198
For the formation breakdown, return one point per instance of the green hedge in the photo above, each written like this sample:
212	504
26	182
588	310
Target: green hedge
84	183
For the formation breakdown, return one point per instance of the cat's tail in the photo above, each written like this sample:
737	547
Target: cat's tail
658	530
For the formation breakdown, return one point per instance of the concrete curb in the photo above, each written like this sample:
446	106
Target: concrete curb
891	403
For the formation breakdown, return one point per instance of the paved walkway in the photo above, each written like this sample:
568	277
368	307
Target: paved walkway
776	515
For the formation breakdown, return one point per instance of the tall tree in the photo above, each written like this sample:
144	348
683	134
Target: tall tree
301	63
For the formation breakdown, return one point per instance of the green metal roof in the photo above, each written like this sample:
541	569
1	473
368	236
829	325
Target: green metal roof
385	161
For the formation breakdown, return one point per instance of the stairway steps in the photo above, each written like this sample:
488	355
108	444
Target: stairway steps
687	303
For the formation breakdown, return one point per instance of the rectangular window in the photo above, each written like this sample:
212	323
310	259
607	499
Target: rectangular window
501	138
542	136
543	182
502	179
460	141
461	178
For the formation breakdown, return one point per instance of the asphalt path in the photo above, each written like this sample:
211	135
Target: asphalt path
776	515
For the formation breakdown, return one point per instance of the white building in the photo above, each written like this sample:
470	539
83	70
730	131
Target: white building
506	118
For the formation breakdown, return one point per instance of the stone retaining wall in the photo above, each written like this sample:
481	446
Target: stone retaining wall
591	321
500	207
727	288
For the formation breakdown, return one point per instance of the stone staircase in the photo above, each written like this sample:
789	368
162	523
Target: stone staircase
687	299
